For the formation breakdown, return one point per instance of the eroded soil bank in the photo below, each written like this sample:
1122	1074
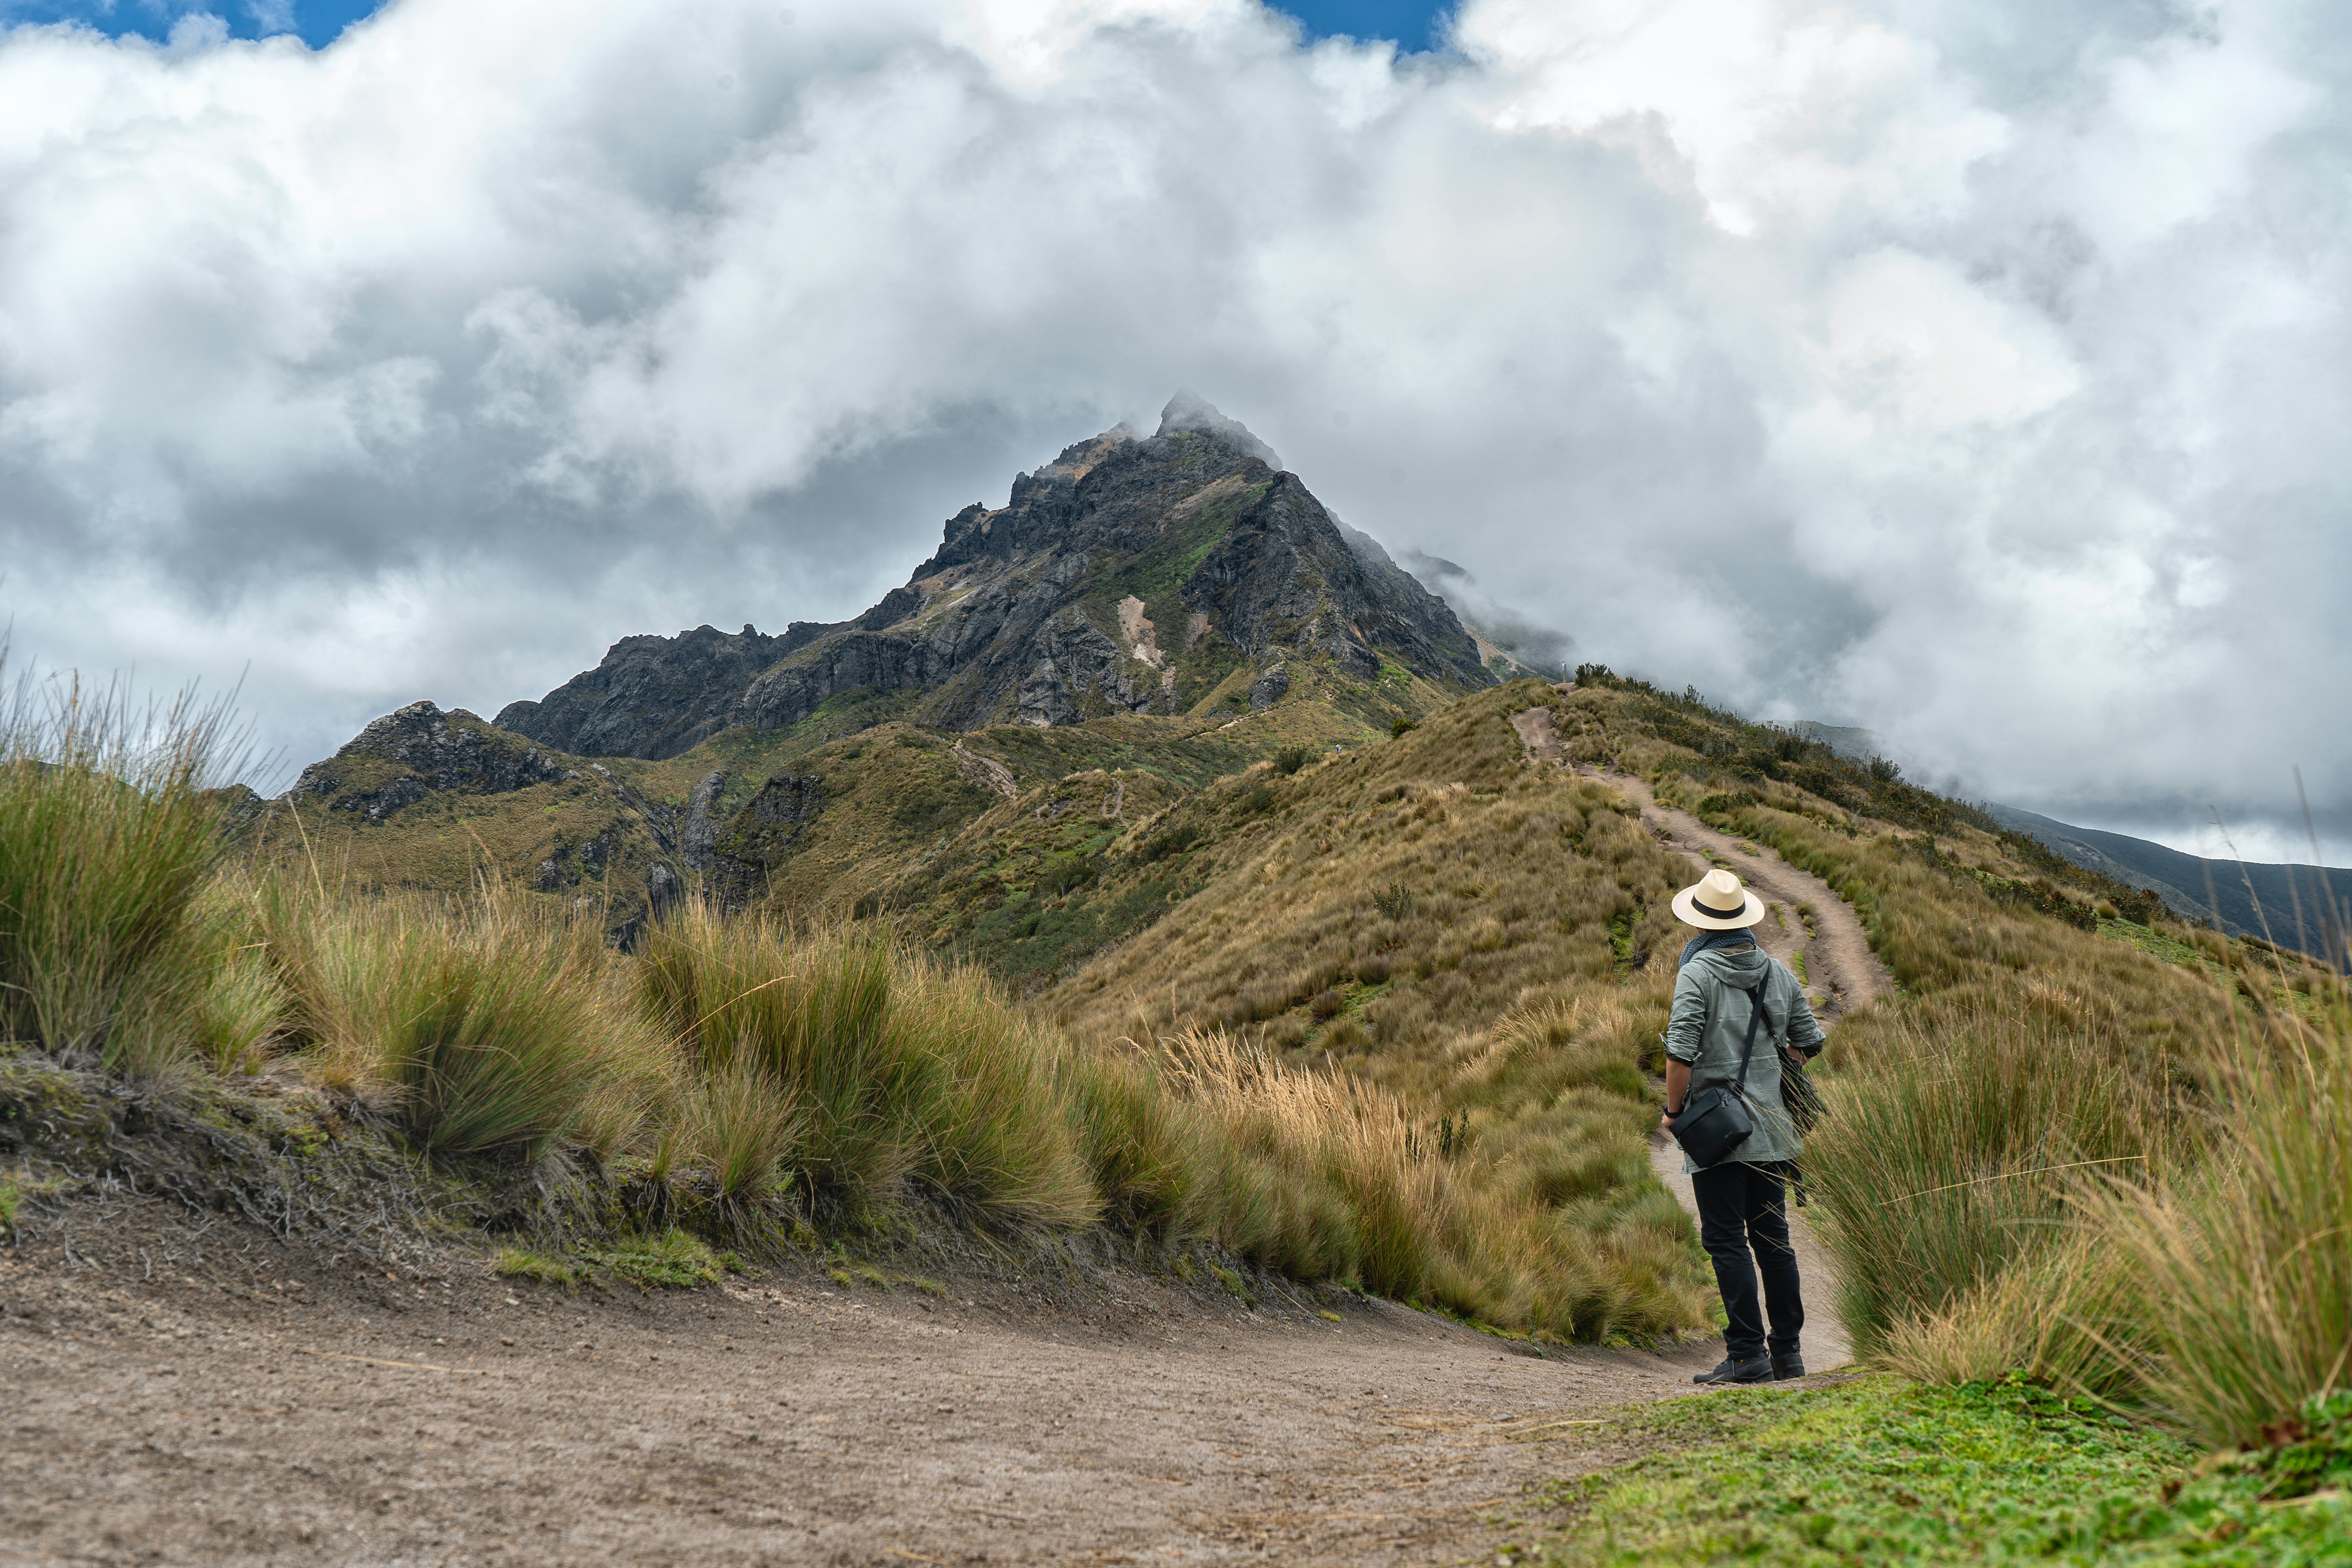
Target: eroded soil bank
189	1391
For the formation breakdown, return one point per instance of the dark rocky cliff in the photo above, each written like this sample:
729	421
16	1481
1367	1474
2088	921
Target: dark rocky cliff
400	758
1132	574
654	696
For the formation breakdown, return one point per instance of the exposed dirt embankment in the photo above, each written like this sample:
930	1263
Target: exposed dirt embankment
188	1391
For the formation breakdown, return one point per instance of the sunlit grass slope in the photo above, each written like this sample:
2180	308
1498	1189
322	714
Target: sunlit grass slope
751	1081
2086	1142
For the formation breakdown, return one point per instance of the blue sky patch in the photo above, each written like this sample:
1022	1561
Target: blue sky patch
1412	23
320	22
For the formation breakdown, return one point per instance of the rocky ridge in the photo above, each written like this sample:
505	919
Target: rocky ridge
424	749
1182	576
1130	574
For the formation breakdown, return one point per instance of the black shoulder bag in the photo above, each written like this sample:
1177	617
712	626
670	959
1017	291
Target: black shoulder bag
1714	1120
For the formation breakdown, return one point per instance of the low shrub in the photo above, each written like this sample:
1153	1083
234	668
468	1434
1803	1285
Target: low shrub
674	1260
515	1263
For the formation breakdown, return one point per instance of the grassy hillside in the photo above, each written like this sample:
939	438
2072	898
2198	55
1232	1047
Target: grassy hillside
757	1084
894	795
1481	937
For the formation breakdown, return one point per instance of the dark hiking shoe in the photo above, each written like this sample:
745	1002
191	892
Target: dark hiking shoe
1754	1369
1785	1367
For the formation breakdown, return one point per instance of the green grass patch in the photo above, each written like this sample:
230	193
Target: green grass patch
2155	944
1878	1471
515	1263
671	1261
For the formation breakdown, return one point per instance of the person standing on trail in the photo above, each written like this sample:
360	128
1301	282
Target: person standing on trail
1727	994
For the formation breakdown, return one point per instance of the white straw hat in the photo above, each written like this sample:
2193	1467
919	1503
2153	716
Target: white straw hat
1717	902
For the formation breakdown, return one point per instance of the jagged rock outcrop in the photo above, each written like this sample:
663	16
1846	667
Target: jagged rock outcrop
762	834
663	890
854	662
1076	659
1130	574
432	751
653	695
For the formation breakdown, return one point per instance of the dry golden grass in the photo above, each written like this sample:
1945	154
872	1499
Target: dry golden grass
1388	907
2067	1314
478	1025
1347	1183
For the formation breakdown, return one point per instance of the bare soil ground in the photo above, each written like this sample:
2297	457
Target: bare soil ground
188	1391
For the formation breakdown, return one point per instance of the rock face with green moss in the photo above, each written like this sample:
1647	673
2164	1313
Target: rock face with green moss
1131	575
763	834
402	757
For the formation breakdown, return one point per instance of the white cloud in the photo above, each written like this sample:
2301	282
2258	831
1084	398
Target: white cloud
1983	363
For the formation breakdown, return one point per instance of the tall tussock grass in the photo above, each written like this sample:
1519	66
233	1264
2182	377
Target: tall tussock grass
108	842
476	1026
2247	1260
1952	1150
863	1068
2007	1191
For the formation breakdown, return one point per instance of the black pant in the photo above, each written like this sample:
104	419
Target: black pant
1740	1210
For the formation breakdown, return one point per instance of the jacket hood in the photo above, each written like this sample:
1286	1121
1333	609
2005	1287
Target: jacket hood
1740	966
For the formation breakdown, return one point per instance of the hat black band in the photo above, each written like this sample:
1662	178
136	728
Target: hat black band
1698	903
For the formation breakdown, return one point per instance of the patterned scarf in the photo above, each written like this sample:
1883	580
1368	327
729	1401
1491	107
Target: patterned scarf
1713	939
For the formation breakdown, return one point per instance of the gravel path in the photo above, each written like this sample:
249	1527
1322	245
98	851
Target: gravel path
186	1395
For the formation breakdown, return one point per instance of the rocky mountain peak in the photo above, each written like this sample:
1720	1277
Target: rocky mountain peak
1131	573
1189	411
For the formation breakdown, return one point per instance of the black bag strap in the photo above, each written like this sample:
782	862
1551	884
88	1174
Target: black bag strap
1748	1047
1756	995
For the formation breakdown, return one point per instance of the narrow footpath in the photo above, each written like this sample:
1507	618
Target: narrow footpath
1807	927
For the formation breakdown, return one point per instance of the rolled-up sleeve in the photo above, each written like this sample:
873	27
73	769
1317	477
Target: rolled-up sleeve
1686	1025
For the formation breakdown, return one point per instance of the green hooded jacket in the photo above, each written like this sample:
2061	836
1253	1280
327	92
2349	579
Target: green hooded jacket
1709	1021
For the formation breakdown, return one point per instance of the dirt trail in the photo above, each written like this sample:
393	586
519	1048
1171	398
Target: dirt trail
187	1395
1829	949
1840	971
